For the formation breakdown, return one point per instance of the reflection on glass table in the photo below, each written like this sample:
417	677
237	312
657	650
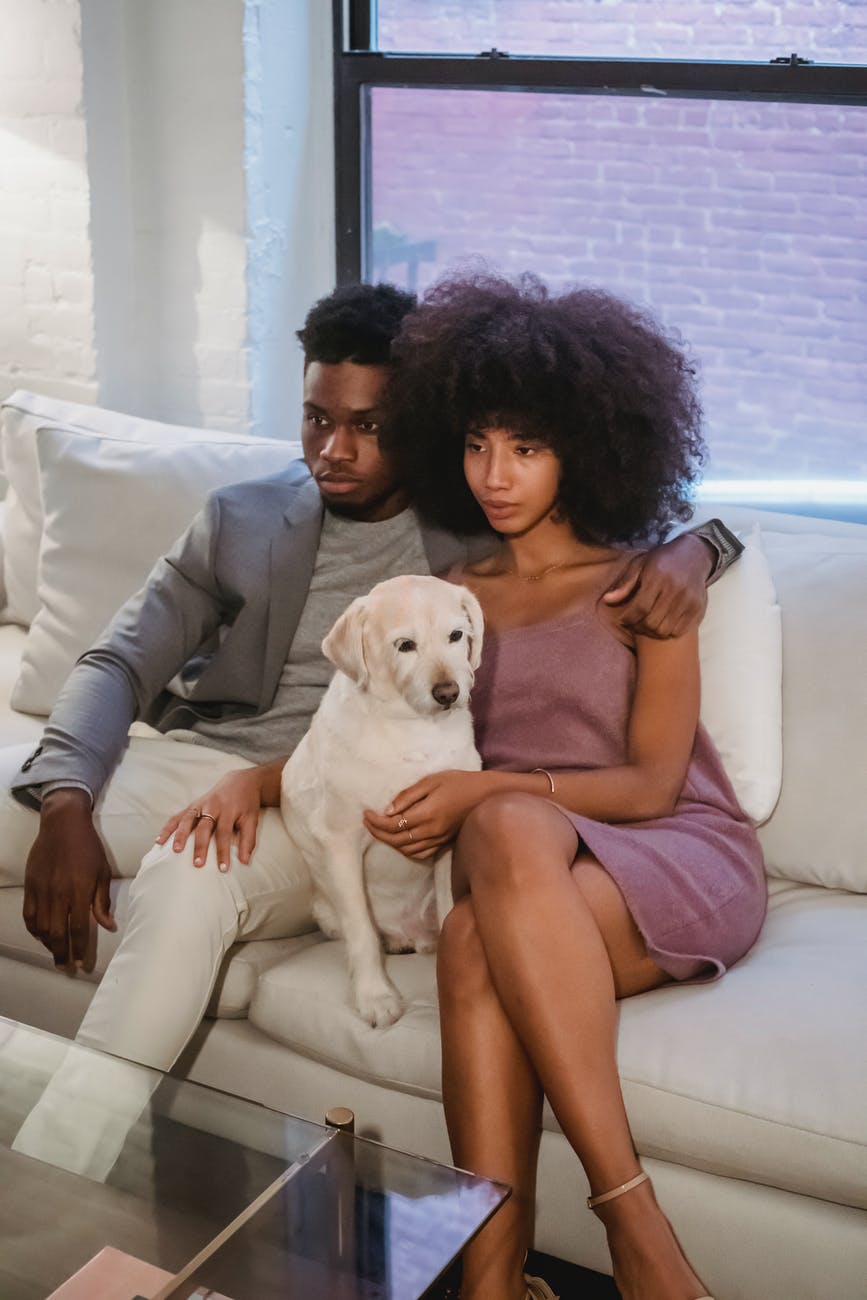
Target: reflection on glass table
355	1222
96	1151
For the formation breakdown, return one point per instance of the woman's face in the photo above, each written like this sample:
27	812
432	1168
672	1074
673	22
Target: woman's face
514	479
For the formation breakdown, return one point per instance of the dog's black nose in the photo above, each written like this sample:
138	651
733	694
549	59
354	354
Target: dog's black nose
445	693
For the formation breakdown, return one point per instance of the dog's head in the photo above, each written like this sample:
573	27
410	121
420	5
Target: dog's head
414	638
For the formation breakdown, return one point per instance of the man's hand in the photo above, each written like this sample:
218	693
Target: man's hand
66	878
663	593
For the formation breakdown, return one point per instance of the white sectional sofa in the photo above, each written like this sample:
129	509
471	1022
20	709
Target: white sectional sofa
747	1097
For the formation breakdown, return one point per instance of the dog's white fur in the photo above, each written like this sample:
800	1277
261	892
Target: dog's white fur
378	729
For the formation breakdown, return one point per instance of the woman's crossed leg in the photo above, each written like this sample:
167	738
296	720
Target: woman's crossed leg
539	946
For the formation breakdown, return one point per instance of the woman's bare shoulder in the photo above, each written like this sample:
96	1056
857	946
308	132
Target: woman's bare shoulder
465	575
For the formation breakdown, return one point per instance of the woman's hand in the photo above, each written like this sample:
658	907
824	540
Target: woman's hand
428	815
228	812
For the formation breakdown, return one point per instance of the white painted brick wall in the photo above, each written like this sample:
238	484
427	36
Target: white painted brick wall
169	218
125	253
46	276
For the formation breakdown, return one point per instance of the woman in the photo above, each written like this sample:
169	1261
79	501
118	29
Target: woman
602	852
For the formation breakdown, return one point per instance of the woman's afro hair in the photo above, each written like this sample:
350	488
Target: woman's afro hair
587	374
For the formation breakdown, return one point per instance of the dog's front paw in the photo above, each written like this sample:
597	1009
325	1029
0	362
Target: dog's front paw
380	1006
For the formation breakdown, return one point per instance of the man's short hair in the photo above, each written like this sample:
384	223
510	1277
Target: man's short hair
355	323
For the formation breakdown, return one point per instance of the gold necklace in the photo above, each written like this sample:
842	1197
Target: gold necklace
537	577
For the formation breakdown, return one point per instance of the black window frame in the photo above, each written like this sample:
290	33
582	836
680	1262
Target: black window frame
359	68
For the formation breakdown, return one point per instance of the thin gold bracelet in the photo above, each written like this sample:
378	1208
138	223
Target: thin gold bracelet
544	772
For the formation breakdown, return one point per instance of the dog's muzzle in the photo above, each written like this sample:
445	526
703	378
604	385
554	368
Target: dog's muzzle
445	693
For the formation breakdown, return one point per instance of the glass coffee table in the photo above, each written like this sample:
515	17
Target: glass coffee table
224	1196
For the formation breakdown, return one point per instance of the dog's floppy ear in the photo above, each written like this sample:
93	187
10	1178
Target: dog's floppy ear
473	611
344	644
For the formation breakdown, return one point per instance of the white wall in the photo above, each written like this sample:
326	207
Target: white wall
166	177
165	111
289	165
46	273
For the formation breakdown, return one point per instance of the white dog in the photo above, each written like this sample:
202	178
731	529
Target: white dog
395	711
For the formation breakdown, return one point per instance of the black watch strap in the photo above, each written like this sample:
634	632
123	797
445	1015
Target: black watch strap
722	540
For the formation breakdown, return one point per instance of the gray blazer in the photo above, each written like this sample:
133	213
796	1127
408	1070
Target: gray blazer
208	634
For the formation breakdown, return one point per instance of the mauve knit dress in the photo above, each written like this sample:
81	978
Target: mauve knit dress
558	695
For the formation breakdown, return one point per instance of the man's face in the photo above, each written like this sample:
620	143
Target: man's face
340	438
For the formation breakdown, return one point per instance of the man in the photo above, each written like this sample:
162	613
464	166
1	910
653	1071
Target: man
220	652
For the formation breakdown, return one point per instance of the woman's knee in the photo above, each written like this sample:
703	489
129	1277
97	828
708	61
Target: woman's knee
506	837
462	968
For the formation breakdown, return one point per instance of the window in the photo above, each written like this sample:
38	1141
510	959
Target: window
729	196
834	31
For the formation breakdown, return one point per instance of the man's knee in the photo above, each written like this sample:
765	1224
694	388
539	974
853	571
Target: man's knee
168	883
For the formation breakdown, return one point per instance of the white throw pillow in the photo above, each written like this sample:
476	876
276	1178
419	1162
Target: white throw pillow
740	646
112	507
20	417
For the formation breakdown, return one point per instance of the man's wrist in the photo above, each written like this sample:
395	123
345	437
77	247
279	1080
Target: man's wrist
723	545
711	553
66	798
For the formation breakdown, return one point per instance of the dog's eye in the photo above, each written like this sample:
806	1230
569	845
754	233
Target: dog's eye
456	635
405	646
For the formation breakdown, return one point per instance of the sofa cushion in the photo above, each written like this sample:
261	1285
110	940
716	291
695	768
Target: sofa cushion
16	943
111	508
818	832
236	982
20	417
303	1003
2	552
242	968
757	1076
15	728
717	1076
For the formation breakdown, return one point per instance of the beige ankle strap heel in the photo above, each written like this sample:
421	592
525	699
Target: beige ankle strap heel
593	1201
538	1289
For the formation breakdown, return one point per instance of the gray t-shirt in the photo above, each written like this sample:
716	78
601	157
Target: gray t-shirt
352	558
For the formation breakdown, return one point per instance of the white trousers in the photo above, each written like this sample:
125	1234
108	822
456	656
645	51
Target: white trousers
182	919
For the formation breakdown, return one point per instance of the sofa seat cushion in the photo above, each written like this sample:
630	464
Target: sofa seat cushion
236	982
244	965
17	943
760	1076
303	1004
720	1077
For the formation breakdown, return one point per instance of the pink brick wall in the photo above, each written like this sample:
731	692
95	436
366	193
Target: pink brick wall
831	30
742	224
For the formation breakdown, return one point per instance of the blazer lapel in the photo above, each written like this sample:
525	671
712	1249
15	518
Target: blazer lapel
293	556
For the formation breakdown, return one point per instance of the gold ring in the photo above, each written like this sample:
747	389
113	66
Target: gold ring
203	816
410	834
401	825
